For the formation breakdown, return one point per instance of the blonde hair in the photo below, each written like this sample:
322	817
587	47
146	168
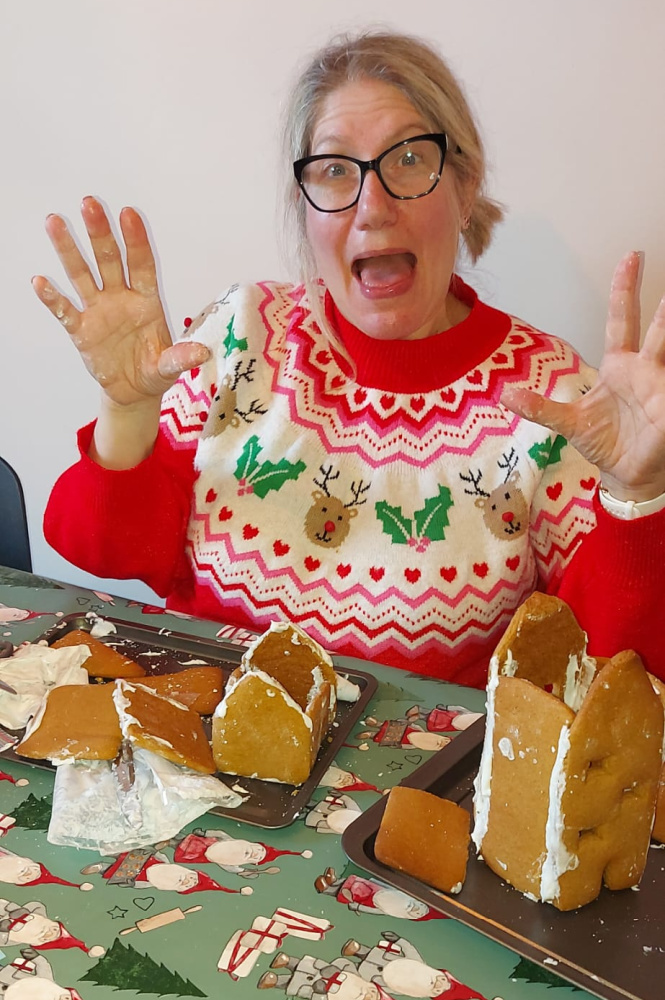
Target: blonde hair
417	70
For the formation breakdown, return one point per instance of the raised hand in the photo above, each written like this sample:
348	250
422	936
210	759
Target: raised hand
619	425
121	332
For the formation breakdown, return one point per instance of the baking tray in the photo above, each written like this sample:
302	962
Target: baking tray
613	947
268	804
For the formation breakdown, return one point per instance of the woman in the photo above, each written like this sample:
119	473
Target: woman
358	453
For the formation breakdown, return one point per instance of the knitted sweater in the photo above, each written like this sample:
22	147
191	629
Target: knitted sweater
391	508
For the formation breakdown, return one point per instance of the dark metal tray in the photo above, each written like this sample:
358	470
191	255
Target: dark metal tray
159	651
613	947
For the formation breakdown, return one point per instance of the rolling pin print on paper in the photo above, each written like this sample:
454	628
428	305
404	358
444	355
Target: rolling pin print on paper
160	920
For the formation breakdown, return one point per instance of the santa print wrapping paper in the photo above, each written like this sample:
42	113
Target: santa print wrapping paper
299	919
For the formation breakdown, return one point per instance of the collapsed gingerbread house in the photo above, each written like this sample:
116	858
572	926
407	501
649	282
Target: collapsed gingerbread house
276	709
568	780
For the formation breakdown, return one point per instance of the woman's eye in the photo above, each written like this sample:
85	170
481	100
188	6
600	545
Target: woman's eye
408	159
334	170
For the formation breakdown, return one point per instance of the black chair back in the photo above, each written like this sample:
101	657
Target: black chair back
14	539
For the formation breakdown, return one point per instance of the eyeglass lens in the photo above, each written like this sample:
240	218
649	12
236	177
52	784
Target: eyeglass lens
409	171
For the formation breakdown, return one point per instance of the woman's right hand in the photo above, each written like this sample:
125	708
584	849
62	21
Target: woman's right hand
121	332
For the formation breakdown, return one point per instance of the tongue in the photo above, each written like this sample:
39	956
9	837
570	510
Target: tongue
377	272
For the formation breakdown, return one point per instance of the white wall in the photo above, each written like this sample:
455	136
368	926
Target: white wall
173	106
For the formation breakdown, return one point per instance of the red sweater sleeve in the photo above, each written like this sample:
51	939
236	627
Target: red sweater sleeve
615	584
125	525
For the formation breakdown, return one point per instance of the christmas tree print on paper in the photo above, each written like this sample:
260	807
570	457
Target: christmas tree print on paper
547	452
261	477
231	342
427	524
33	813
532	973
123	968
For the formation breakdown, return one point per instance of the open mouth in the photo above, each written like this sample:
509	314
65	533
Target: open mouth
385	273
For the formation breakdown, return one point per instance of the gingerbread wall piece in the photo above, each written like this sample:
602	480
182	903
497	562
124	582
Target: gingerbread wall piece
565	798
545	644
258	730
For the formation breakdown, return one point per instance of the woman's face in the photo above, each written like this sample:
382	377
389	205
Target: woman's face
387	263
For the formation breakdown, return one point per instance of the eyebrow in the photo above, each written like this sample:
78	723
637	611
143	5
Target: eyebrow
335	139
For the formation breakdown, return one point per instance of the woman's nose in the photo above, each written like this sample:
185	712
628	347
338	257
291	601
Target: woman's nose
375	207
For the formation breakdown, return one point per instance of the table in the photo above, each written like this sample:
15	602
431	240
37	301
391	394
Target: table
312	925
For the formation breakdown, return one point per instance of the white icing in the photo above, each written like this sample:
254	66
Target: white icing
100	627
558	859
32	671
506	748
483	780
346	689
509	665
579	674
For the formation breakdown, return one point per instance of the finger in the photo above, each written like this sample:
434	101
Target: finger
654	342
140	258
57	304
622	332
104	245
71	258
559	417
181	357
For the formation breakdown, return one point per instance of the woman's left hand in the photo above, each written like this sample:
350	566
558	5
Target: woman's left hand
619	425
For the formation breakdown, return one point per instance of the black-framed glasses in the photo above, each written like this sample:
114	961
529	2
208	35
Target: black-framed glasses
409	169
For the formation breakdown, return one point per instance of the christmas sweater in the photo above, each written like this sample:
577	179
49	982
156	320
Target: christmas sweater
383	500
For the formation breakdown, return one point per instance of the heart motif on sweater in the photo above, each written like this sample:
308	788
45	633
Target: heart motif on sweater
194	372
225	514
512	562
211	496
213	390
499	359
417	403
359	396
412	575
588	484
387	402
323	358
376	573
475	378
338	382
311	563
554	491
343	570
481	569
448	573
280	548
447	395
249	531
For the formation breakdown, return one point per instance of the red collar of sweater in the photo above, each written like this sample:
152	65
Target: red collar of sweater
423	365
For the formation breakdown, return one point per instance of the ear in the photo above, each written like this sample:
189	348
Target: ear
481	502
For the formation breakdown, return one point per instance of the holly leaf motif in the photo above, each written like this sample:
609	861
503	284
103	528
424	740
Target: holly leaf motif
273	475
555	454
248	462
394	522
547	452
231	342
540	452
433	518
